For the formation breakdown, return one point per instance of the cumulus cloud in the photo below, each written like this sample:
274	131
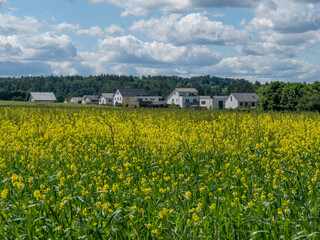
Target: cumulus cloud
265	67
129	49
10	24
193	28
40	47
114	30
138	7
94	31
286	16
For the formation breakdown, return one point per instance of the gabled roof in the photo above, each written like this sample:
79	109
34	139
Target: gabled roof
76	98
129	92
106	95
43	96
91	97
187	90
220	97
245	97
205	97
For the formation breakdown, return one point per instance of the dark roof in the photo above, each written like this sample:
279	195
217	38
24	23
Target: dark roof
92	97
129	92
106	95
221	97
43	96
205	97
245	97
187	90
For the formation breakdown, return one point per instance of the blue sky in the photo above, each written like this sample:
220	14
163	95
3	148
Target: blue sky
264	40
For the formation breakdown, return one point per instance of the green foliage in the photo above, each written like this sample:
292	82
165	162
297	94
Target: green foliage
281	96
71	86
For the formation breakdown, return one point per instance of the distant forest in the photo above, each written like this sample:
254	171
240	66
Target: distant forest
72	86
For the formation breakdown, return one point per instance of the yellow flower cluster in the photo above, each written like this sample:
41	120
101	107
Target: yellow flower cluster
119	173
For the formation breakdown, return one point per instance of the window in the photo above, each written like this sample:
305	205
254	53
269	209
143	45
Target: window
187	100
203	102
220	104
231	98
241	104
195	100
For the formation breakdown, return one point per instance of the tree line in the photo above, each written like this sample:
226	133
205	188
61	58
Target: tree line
73	86
280	96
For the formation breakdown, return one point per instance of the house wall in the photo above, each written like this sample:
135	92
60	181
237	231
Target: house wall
153	99
206	103
232	102
117	98
188	101
105	101
215	103
182	101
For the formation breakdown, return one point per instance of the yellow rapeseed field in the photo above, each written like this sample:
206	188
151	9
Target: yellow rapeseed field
158	174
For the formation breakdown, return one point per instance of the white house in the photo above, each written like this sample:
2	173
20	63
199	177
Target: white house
206	102
106	98
42	97
90	99
219	102
121	93
242	100
75	100
184	97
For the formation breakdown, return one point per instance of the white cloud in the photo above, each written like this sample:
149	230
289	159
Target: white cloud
129	49
266	68
2	3
95	31
138	7
10	24
193	28
46	47
286	16
114	30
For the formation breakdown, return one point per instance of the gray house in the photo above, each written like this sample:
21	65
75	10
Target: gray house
121	93
90	99
75	100
106	98
42	97
242	100
219	102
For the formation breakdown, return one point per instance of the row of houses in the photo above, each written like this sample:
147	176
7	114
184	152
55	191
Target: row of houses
138	97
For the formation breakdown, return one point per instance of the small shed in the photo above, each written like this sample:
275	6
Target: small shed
42	97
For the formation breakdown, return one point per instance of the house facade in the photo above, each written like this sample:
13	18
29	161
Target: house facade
242	100
219	102
106	99
42	97
143	101
206	102
121	93
184	98
90	99
75	100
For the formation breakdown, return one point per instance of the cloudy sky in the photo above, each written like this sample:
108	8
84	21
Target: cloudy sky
264	40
